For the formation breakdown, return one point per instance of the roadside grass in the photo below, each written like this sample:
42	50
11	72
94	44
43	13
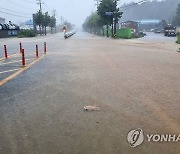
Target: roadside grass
178	38
26	33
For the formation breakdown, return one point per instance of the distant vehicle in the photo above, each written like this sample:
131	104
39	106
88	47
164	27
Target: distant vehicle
157	31
152	30
170	30
141	33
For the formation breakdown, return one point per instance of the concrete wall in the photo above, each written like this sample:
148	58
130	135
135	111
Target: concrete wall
8	33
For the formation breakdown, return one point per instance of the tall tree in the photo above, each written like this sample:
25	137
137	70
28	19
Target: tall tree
93	23
176	19
38	19
52	23
117	15
46	21
109	6
106	6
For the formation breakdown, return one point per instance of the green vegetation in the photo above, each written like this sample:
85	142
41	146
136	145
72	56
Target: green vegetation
26	33
176	22
178	38
44	20
176	19
96	21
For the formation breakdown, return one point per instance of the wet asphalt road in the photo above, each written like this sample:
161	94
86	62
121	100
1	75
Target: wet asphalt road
136	84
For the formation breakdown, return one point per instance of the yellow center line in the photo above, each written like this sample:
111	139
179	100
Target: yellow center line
20	71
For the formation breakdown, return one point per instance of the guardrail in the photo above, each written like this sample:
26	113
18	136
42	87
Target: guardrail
67	35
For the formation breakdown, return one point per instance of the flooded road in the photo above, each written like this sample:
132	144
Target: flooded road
135	83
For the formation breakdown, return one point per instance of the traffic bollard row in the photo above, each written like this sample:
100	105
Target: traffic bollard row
21	50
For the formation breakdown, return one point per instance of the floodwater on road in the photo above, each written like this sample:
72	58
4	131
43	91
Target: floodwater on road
134	83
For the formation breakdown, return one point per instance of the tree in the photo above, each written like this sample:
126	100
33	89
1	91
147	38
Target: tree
38	19
117	15
93	23
109	6
106	6
176	19
52	23
46	21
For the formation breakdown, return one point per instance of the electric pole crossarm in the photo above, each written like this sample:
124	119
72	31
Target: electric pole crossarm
39	2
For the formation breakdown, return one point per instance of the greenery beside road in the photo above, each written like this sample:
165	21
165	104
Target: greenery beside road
178	39
107	15
26	33
44	21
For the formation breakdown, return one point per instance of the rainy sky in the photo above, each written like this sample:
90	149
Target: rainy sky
74	11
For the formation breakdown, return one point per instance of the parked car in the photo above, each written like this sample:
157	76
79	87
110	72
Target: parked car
170	30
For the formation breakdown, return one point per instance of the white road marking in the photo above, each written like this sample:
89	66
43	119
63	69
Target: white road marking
15	61
9	71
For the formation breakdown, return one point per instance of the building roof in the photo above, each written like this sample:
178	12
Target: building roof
2	18
29	22
149	21
127	21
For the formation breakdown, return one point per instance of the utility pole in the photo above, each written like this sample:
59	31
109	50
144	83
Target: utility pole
39	2
61	20
54	15
40	5
115	17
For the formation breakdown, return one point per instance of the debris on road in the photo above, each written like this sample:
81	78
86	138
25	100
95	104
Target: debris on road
91	108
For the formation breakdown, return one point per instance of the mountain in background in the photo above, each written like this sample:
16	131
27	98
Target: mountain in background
165	9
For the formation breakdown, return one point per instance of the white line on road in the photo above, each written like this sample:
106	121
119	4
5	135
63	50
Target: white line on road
15	61
9	71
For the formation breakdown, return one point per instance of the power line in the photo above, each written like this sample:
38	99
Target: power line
29	1
132	5
13	11
47	6
14	15
16	4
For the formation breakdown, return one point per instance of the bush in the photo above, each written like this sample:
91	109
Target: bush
178	38
26	33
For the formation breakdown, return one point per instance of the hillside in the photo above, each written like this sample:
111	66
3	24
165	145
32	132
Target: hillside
151	10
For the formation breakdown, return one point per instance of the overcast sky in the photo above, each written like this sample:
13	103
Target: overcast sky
74	11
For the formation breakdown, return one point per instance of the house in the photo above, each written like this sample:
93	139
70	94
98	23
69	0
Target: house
2	20
133	25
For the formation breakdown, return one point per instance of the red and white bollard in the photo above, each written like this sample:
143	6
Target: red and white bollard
20	47
23	58
5	52
37	54
45	48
